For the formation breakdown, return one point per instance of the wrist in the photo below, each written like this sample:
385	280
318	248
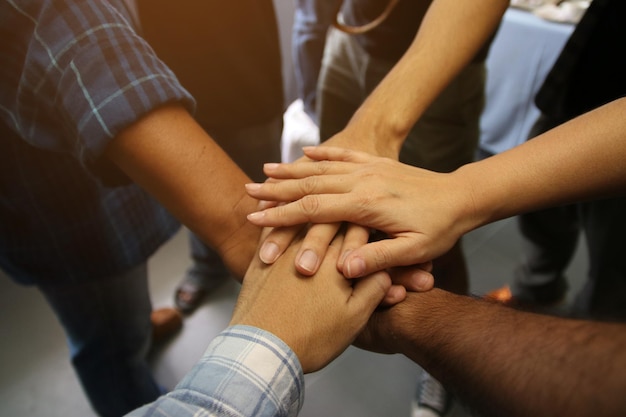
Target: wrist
383	133
476	200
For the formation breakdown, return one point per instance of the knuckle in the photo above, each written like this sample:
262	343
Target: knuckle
382	257
322	167
308	185
309	205
277	213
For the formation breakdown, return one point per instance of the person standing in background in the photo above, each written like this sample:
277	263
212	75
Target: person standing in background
312	20
588	73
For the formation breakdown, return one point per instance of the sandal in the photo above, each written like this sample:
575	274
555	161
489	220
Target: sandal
188	296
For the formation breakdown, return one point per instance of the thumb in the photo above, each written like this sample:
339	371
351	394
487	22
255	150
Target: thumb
369	292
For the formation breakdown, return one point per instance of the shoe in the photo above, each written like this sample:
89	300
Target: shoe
189	296
501	295
194	288
505	297
431	398
165	323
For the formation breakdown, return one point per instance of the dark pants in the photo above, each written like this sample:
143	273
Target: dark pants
107	323
549	242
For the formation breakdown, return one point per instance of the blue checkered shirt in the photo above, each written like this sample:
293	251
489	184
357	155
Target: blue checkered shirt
244	372
73	75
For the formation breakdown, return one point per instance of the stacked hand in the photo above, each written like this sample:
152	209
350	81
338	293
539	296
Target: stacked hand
319	235
415	208
318	316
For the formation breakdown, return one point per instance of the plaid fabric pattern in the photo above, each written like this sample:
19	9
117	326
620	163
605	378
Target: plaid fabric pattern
73	75
244	372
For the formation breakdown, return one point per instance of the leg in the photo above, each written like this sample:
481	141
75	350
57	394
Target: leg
207	271
604	293
108	328
311	22
340	92
549	239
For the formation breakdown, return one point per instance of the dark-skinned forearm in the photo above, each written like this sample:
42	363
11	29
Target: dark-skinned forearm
509	363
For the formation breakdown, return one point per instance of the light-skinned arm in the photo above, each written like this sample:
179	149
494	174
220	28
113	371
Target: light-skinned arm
504	362
450	35
172	157
319	316
426	212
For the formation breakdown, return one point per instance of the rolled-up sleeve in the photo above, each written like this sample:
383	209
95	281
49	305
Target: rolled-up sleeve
77	74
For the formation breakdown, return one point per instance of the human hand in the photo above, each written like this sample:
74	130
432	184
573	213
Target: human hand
415	278
423	213
319	236
317	317
399	328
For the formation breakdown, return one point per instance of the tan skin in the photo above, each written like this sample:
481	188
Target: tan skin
503	362
379	127
577	369
427	212
497	360
171	156
317	317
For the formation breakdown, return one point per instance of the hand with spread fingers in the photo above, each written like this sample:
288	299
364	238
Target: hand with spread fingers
417	209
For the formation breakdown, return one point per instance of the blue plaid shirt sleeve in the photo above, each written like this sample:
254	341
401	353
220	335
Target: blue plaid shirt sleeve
75	73
245	371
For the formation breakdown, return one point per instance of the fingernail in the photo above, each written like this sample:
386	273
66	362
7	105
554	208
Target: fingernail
264	204
253	186
356	267
423	281
269	252
256	215
342	258
308	261
270	166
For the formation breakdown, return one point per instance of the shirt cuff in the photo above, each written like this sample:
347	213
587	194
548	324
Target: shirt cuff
245	371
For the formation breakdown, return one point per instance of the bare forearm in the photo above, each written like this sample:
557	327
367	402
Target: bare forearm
450	35
580	160
505	362
170	156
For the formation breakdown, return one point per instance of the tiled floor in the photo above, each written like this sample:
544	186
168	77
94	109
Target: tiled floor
36	379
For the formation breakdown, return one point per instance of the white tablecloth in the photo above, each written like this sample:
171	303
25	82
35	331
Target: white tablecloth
523	52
